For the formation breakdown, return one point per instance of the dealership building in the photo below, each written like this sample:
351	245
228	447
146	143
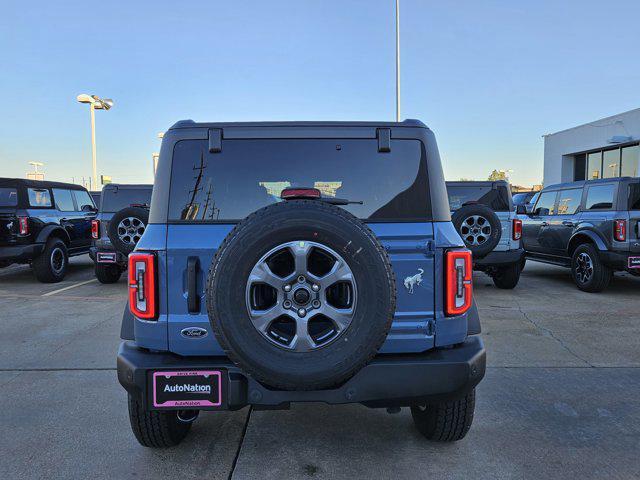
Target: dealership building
600	149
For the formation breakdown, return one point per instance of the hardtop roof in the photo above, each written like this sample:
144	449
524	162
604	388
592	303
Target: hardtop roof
582	183
10	182
406	123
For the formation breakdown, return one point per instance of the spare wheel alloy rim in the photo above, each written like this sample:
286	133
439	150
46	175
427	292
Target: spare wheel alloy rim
475	230
130	230
301	296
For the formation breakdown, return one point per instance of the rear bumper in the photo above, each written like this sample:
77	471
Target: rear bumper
621	260
20	253
500	258
389	380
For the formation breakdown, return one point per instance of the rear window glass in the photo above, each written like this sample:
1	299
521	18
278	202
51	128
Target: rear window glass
634	196
520	198
64	200
250	174
600	197
569	201
117	199
39	197
494	198
8	197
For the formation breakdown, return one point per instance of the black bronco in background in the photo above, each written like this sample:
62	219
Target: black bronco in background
44	223
590	226
484	215
121	221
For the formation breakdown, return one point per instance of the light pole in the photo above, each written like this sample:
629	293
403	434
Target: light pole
95	103
397	60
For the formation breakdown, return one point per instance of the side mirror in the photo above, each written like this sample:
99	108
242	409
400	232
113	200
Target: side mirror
521	210
89	208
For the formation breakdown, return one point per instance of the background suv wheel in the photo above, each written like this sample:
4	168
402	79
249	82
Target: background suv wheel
588	271
51	265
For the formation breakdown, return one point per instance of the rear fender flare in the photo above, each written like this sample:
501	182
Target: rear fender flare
53	230
586	236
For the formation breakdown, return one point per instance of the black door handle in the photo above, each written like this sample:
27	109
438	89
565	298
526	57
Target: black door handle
544	224
568	223
193	300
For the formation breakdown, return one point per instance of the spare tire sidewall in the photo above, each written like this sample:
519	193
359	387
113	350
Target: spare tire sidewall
467	211
328	364
140	213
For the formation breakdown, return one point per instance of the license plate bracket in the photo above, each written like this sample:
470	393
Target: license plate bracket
188	389
106	257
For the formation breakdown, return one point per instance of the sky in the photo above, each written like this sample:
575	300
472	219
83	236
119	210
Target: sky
488	77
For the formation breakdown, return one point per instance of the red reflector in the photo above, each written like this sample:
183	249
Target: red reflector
620	230
290	193
459	286
95	228
23	223
517	229
142	285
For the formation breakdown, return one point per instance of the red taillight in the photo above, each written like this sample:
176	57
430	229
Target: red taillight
517	229
142	285
95	229
620	230
291	193
23	225
459	286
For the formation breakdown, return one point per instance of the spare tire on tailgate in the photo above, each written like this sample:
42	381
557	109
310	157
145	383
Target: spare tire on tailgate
126	228
301	295
479	227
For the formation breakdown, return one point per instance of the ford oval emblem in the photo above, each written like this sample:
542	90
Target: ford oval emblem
193	332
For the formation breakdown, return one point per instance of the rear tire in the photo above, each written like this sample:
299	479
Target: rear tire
155	429
445	421
507	277
107	273
588	271
51	265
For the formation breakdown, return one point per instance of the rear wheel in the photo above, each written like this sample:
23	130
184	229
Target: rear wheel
507	277
51	265
588	271
107	273
445	421
159	429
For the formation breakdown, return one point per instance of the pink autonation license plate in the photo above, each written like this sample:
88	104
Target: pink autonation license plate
195	388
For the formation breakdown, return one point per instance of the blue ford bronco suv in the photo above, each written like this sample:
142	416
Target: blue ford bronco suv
299	262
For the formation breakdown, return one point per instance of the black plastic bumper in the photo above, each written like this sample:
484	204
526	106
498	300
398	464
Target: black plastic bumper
20	253
389	380
500	258
621	260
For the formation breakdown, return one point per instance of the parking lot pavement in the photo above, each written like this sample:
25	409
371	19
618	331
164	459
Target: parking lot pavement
561	397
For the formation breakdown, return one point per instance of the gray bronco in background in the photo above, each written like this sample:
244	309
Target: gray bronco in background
484	216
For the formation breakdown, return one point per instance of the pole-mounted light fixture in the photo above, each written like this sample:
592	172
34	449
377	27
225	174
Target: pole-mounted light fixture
95	103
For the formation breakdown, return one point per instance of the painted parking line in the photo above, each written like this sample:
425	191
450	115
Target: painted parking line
79	284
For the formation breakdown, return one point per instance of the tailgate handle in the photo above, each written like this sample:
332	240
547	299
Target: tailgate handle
193	300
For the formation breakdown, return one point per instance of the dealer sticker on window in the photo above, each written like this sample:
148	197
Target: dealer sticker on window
197	388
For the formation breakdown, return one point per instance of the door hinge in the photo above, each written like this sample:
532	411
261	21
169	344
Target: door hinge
384	139
215	140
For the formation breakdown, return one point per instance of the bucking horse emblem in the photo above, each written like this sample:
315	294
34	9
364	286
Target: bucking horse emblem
411	282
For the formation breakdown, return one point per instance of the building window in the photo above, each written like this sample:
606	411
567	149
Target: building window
611	163
614	162
631	161
594	165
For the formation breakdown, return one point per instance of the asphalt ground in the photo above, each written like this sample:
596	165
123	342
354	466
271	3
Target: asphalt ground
561	398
